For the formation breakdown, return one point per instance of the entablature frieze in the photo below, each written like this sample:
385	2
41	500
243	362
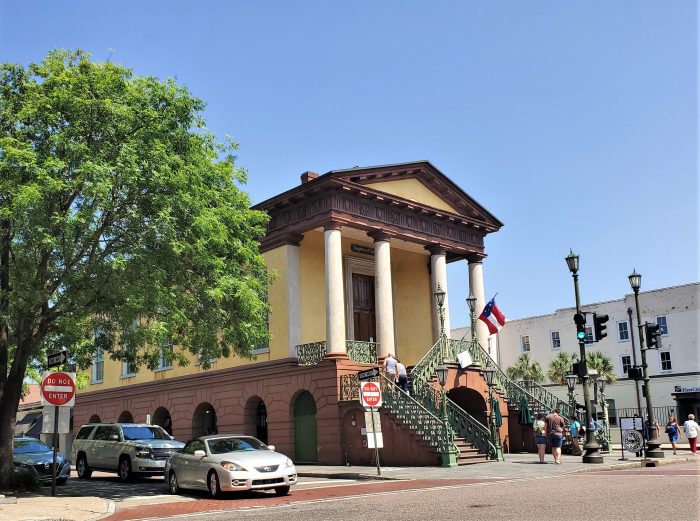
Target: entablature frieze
410	222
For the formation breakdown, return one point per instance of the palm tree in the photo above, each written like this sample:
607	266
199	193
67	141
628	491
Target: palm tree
525	369
560	366
601	363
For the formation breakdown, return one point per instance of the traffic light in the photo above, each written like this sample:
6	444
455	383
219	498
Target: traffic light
635	373
600	327
580	320
653	336
579	368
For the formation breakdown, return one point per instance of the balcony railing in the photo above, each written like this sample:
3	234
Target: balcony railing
311	354
362	352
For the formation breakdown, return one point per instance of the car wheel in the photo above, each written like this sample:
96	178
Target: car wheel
213	484
282	491
81	466
172	483
125	473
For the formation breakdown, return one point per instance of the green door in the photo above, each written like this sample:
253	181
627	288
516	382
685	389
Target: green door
305	428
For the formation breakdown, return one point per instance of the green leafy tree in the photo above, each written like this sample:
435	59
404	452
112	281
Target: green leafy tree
525	369
119	213
560	366
601	363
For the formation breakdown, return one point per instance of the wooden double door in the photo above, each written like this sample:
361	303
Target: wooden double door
363	312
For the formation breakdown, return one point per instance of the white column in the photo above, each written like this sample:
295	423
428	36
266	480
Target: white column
335	298
476	286
384	302
438	275
293	271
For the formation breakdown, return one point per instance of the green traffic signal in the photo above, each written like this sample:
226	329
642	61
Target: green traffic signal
581	335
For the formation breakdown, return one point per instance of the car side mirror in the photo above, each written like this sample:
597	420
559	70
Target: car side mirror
114	437
172	437
200	453
271	447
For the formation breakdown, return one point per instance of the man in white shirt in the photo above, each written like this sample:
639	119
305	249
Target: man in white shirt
691	432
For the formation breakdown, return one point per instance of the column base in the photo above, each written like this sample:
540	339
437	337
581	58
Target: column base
449	459
654	450
337	356
591	453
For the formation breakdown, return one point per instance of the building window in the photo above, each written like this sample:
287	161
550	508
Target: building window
166	356
663	326
588	339
623	333
626	364
525	343
665	360
556	341
128	369
98	365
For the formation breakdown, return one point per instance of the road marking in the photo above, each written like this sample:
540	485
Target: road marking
325	481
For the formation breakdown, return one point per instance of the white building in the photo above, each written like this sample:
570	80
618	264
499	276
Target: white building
674	369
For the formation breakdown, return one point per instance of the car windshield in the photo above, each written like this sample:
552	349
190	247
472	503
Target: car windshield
144	433
29	446
224	445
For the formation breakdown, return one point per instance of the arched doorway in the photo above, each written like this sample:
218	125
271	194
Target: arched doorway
255	418
204	420
162	417
125	417
471	401
305	428
94	419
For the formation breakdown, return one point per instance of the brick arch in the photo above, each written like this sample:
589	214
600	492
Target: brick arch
471	401
255	418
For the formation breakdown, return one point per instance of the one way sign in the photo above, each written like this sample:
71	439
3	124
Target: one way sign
56	359
369	373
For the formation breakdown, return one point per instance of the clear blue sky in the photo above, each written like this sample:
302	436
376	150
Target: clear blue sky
574	123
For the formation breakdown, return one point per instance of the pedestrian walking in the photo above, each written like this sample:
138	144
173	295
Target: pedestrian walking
554	427
575	428
402	376
691	429
673	431
540	436
390	367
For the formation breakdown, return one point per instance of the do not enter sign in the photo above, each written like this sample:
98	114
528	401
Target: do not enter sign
370	394
58	389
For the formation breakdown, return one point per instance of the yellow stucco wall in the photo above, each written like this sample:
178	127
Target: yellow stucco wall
412	309
414	190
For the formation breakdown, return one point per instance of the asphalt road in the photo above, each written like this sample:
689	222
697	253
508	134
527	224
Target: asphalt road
636	494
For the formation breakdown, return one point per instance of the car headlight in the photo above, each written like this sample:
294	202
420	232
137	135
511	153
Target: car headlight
290	463
231	466
143	452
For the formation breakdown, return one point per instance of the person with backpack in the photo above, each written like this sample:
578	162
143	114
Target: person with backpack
554	426
575	428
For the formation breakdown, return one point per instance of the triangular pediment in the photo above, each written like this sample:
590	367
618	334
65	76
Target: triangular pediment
422	183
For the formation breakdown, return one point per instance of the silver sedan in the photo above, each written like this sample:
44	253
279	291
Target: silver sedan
229	463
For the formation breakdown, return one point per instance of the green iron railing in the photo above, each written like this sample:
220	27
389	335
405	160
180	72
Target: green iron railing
311	354
464	425
362	352
549	399
514	392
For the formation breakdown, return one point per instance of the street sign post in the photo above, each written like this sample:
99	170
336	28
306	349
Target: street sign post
57	389
368	374
371	397
56	359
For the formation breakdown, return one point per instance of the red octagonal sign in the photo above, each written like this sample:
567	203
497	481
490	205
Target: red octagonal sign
370	394
58	389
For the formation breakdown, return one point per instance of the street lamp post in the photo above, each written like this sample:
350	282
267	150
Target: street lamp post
440	299
653	443
571	384
601	388
489	372
471	302
449	457
591	450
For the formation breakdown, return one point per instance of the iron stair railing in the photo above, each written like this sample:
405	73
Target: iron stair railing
547	397
464	425
357	351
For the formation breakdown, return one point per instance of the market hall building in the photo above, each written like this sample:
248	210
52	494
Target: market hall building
359	256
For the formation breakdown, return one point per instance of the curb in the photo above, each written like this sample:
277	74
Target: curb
640	463
111	508
346	475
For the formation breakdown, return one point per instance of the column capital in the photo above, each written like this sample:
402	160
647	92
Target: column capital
379	235
475	258
332	226
437	249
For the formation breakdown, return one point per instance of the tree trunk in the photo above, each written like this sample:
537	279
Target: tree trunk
11	392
